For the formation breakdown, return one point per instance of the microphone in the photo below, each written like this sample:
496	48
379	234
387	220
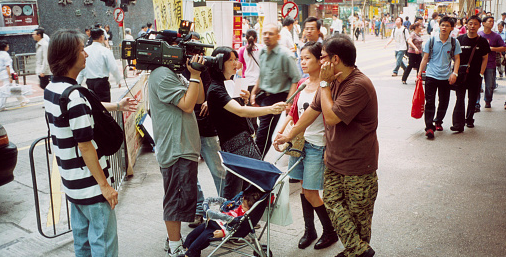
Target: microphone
289	100
167	33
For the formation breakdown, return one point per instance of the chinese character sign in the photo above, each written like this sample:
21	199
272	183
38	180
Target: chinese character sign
168	14
203	20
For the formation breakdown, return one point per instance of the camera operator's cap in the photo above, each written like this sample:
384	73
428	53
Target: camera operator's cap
504	13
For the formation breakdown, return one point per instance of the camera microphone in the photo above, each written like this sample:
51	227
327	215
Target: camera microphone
301	87
167	33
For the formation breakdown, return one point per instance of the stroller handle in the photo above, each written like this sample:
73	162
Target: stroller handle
289	149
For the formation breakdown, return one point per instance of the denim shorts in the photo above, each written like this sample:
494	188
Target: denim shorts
311	169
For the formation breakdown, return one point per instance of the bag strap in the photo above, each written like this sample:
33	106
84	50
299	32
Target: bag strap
64	98
472	54
254	59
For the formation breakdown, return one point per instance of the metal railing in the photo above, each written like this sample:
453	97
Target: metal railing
24	65
118	166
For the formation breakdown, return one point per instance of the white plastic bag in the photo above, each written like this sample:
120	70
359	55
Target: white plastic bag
281	212
13	90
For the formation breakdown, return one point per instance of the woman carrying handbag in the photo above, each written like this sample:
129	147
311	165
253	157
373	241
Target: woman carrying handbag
414	50
310	170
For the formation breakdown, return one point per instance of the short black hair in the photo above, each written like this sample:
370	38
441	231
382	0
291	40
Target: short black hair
251	195
399	17
3	45
501	23
487	18
143	26
342	46
86	29
98	25
149	24
449	20
96	34
474	17
311	19
216	73
40	32
288	21
315	48
63	51
407	17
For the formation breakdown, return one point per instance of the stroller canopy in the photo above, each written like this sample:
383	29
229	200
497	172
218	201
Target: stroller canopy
261	174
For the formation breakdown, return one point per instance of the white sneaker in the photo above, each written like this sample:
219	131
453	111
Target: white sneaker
180	251
166	246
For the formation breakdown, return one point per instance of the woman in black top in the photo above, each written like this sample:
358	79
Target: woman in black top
229	116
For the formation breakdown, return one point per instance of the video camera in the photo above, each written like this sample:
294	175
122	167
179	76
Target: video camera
170	49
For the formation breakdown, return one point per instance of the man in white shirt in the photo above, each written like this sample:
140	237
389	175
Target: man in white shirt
99	64
41	65
286	38
400	34
337	25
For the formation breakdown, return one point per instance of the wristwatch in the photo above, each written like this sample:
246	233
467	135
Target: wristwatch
456	75
324	84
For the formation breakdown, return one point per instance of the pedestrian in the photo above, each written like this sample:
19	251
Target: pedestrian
497	45
377	27
41	65
172	100
108	35
89	40
286	37
101	62
407	23
312	27
400	35
228	115
310	171
415	50
500	57
437	57
347	99
277	81
249	56
148	26
296	32
337	25
462	30
128	34
6	71
143	31
106	41
84	171
473	79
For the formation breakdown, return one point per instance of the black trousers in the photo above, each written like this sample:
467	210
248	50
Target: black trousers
44	81
101	88
268	123
443	91
472	86
200	238
414	62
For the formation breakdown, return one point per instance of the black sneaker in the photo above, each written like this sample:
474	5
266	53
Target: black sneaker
429	133
457	129
476	109
488	105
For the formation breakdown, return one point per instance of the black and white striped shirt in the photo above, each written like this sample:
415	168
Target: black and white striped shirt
78	183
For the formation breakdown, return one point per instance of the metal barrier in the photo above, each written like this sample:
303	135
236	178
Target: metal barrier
118	166
24	65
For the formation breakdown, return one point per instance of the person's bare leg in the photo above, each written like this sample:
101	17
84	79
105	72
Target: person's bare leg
173	230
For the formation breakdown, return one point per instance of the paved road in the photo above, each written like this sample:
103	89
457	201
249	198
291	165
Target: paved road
441	197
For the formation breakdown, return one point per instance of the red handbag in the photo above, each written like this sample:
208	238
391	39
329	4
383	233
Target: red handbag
418	100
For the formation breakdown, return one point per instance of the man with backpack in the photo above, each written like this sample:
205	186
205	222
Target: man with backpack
81	160
432	23
400	34
439	52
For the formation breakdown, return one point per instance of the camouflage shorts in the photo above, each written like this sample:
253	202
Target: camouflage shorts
350	204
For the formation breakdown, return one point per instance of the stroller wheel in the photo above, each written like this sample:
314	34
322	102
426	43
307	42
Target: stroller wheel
264	250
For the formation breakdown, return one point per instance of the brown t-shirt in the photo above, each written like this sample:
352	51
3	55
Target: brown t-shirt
352	144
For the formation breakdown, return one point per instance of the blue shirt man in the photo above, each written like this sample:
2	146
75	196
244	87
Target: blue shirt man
437	57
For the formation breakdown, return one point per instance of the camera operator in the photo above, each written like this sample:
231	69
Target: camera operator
172	100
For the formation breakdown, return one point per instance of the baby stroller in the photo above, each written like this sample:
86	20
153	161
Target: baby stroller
265	177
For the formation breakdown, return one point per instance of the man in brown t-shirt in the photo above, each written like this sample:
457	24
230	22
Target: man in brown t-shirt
347	99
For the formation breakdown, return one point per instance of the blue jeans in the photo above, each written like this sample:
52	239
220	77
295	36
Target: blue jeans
200	238
399	62
94	229
490	80
209	151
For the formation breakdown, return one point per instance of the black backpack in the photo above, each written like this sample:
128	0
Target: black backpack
106	132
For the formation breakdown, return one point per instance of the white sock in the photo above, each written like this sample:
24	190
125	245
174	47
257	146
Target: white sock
173	245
